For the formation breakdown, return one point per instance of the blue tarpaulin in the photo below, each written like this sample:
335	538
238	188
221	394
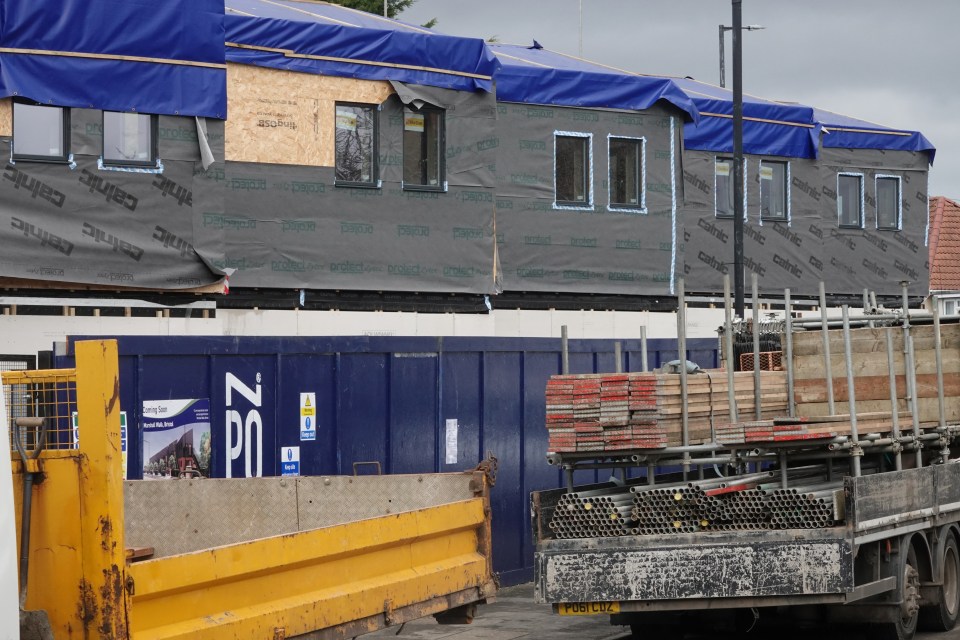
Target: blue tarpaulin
534	75
769	128
844	132
332	40
150	56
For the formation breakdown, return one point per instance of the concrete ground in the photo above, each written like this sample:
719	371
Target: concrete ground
515	616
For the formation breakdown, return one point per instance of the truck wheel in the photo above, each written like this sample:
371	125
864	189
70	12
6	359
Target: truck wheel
906	625
943	615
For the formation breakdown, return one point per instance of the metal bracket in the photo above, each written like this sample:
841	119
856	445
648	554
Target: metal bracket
856	450
357	465
489	467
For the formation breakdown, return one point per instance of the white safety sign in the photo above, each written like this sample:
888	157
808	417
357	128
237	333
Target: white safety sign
308	416
290	461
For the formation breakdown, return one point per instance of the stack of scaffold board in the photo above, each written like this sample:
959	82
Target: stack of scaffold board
808	428
872	372
616	412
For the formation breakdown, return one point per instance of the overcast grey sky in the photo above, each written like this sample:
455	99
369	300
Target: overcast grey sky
892	62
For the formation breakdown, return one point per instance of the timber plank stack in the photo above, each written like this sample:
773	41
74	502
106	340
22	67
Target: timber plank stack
871	372
615	412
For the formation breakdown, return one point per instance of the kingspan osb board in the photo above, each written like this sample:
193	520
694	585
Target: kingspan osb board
6	116
285	117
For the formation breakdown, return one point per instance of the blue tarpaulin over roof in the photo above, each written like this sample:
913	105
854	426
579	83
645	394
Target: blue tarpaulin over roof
332	40
844	132
152	56
769	128
539	76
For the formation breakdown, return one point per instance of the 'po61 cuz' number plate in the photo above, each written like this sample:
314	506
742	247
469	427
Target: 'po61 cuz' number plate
587	608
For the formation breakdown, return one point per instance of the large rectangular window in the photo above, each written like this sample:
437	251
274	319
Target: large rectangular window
572	171
850	200
723	187
356	145
423	160
626	164
889	203
129	139
774	204
40	132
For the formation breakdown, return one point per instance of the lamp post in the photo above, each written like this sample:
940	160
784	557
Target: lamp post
738	30
723	31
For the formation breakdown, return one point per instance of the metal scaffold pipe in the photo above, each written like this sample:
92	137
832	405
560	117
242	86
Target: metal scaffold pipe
754	290
824	332
938	353
855	450
788	353
728	348
894	405
682	349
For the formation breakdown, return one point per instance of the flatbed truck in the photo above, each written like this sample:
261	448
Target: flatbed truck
887	557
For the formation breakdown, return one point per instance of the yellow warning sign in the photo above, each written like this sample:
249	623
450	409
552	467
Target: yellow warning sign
307	402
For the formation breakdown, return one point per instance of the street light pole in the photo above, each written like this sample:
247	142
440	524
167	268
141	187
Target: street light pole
737	157
723	63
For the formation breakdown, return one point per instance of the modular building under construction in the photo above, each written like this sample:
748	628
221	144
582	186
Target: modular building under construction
324	165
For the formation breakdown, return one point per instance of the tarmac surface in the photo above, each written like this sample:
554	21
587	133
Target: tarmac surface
515	616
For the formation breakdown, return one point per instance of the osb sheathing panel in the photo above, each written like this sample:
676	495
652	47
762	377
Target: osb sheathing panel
6	117
285	117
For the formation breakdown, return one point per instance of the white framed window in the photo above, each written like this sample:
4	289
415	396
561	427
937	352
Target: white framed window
723	192
889	192
129	139
774	191
424	162
627	174
41	132
573	170
850	200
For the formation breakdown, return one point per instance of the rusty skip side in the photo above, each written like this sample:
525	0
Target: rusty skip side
77	553
701	566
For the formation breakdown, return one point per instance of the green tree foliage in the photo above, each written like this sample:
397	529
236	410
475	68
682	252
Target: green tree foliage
394	8
376	6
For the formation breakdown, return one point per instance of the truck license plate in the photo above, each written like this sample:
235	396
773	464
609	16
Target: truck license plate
587	608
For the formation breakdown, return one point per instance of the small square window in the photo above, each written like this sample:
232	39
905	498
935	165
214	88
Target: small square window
572	171
423	159
40	132
850	200
626	173
888	203
129	139
356	145
723	187
773	191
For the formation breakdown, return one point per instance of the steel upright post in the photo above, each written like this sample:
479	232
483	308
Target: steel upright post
728	347
825	334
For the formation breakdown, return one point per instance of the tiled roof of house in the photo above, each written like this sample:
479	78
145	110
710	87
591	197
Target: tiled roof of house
944	244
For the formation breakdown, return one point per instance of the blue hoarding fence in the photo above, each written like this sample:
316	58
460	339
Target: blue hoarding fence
415	405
